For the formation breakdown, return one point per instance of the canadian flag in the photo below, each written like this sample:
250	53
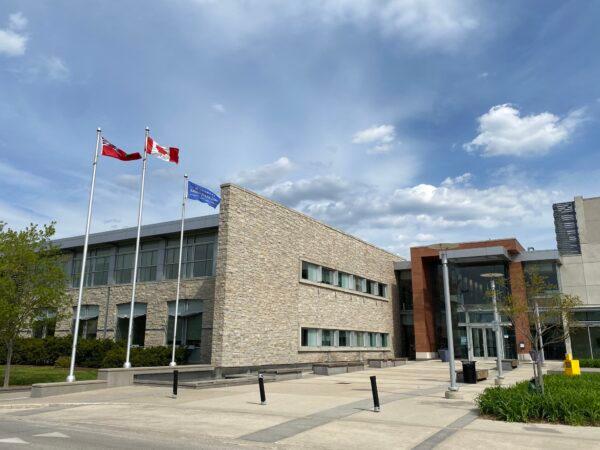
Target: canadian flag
170	154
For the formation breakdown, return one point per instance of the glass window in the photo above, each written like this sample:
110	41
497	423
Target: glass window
138	333
327	275
384	339
547	270
197	261
45	324
344	338
372	339
580	342
327	338
360	339
309	337
344	280
372	287
189	322
404	279
146	265
88	321
383	290
310	272
360	284
96	271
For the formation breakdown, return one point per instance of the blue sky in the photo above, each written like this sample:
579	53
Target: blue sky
404	122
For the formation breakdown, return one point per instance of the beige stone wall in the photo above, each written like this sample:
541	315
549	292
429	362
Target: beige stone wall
260	301
580	274
155	295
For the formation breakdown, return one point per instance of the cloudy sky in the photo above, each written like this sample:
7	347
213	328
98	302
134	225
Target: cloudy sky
404	122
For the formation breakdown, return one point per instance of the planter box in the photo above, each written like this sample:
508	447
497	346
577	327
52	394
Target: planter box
337	368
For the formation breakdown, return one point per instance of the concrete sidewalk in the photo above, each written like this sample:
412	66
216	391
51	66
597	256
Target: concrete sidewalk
315	412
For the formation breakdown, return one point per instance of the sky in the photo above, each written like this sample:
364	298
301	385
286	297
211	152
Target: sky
403	122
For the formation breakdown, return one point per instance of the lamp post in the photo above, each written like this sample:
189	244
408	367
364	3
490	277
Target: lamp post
452	392
498	328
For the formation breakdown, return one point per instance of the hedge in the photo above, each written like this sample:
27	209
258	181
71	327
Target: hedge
90	353
567	400
595	363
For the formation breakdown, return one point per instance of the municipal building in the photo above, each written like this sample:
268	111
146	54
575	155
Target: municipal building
264	285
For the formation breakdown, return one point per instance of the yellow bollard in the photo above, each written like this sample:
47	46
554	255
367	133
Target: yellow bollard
571	366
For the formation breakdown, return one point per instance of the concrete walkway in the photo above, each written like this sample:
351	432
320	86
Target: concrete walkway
315	412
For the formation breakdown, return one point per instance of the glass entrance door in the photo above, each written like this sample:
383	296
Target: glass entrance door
478	336
483	342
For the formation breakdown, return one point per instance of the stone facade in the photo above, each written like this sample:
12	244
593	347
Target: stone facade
155	295
261	302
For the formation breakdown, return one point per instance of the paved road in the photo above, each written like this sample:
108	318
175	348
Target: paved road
310	413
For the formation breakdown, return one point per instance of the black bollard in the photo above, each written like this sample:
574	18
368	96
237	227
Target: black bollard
175	382
261	388
376	406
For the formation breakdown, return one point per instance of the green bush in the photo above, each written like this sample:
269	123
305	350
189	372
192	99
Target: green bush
589	363
63	362
93	353
567	400
144	357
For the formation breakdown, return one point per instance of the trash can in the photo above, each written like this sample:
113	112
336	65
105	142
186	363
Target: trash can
443	352
469	372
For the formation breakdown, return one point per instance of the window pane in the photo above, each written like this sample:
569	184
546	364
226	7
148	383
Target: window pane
193	329
327	275
326	338
384	340
170	323
580	342
360	339
343	338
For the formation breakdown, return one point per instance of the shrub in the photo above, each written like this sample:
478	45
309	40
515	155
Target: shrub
63	362
91	353
589	363
144	357
567	400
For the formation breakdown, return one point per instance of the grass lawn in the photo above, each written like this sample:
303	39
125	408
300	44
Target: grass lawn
567	400
26	375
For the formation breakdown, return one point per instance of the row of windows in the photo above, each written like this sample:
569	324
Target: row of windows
189	323
325	275
197	261
315	337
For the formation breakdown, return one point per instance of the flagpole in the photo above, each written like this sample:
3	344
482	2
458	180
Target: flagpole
71	376
185	180
127	364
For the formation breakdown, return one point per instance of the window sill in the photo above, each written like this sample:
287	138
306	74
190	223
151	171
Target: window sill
343	349
344	290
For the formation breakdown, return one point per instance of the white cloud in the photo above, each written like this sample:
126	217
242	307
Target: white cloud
381	133
17	21
13	43
465	179
397	219
420	23
264	176
218	107
503	131
382	136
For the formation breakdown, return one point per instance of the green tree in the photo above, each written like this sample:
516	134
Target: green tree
544	317
32	280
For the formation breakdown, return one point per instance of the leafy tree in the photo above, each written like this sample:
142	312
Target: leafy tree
543	317
32	280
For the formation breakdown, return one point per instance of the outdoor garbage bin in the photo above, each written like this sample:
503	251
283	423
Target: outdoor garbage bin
469	372
443	352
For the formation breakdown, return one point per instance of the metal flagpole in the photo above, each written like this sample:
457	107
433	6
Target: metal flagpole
449	332
71	376
185	180
127	364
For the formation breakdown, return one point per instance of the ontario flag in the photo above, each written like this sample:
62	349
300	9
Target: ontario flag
109	149
170	154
